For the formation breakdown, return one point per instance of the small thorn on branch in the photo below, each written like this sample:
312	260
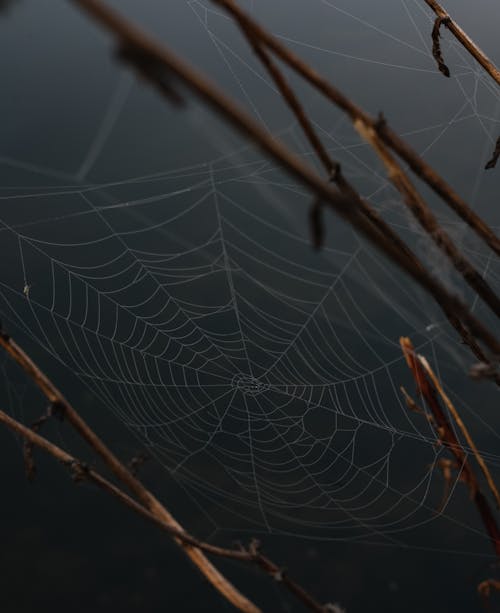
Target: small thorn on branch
494	158
436	44
335	172
79	471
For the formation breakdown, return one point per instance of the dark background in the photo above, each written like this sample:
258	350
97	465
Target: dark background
71	548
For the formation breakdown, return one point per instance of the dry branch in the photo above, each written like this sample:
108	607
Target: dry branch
446	435
146	498
462	427
81	472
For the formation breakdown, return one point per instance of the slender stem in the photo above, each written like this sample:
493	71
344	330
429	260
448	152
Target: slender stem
446	434
333	168
463	428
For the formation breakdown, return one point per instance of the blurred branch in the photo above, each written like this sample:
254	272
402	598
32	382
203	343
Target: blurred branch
147	505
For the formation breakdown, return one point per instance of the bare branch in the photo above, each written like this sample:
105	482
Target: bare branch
55	397
81	472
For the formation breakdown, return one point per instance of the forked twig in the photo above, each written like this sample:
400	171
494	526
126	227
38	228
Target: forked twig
145	497
252	554
462	427
446	435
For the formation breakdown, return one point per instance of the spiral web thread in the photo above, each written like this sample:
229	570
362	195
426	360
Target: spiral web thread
263	375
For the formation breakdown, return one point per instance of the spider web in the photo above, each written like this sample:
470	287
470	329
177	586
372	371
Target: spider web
186	296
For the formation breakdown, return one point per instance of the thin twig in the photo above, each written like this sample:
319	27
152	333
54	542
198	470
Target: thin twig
463	428
81	472
446	434
55	397
29	461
